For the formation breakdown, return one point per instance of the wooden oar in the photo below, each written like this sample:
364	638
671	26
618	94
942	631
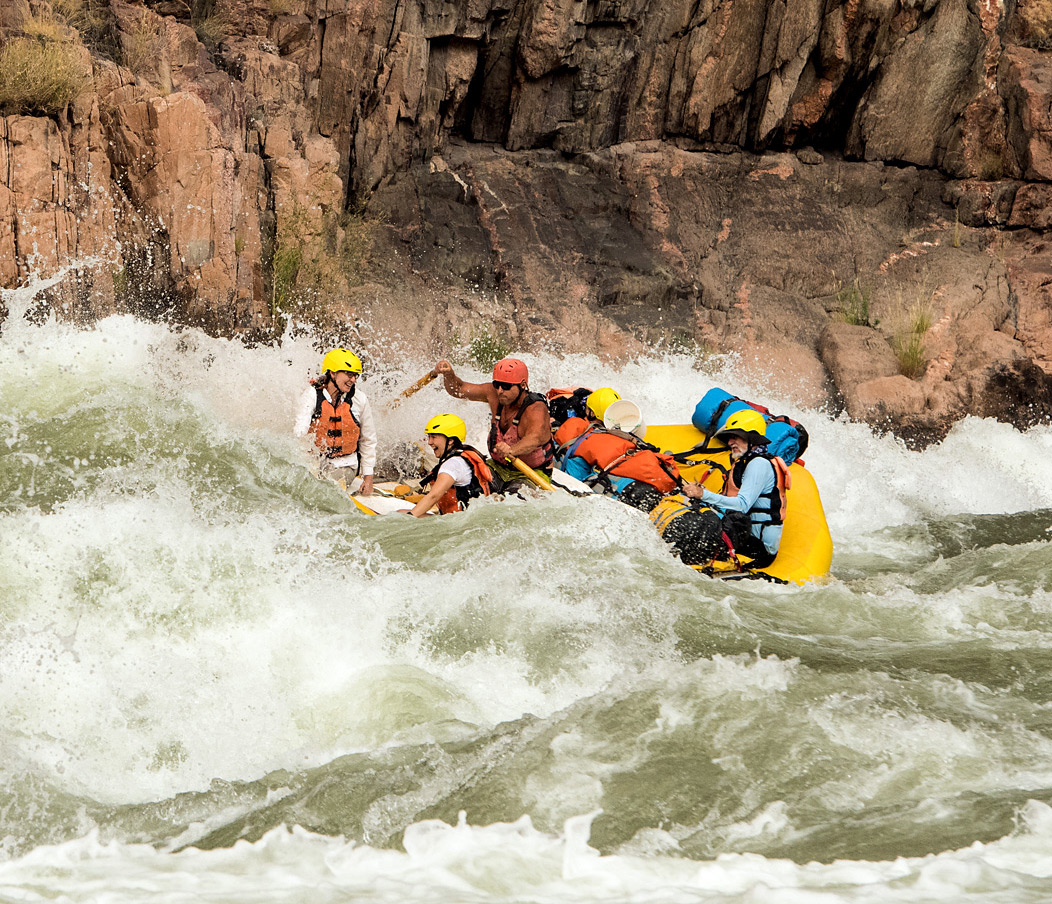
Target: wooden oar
539	479
416	387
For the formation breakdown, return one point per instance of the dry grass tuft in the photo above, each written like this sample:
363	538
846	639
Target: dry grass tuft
908	342
44	27
141	46
39	75
1036	16
853	303
91	18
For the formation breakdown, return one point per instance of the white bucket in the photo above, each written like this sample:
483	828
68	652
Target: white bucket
625	416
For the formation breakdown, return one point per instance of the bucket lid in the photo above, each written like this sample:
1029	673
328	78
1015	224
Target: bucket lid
625	416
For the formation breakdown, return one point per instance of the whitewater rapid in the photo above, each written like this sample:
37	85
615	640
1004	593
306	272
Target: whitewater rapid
218	680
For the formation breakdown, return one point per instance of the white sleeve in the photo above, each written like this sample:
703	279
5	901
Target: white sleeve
458	469
307	403
367	436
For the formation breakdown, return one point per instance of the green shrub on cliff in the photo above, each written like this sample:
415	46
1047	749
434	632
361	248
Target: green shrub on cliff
314	260
908	343
40	76
853	303
485	349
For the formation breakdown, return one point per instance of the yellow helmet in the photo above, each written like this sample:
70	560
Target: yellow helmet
447	425
600	400
341	359
748	424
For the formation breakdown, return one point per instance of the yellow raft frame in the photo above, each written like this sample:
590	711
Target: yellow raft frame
806	551
387	498
804	555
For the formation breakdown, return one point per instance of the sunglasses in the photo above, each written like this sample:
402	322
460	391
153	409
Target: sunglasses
505	386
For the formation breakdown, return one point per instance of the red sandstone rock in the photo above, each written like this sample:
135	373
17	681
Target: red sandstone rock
1032	206
890	399
193	169
1027	76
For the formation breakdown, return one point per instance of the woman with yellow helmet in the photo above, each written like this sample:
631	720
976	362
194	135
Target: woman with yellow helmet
336	412
461	473
752	503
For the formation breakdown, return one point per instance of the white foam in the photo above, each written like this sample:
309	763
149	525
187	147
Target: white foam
200	608
514	862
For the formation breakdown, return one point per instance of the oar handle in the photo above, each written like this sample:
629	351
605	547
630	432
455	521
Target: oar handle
539	479
416	387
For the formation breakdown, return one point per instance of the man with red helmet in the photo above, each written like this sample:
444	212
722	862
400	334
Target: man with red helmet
520	425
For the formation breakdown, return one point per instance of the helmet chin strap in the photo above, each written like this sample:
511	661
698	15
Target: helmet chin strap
445	448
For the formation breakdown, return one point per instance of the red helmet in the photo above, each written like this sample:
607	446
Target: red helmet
510	370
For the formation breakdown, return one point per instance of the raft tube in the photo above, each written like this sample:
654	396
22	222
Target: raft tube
806	551
387	498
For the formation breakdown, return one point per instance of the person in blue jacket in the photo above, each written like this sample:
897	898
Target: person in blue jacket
753	500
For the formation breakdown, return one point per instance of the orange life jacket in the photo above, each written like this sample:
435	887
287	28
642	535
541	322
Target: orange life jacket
456	499
336	430
540	457
621	455
570	430
772	503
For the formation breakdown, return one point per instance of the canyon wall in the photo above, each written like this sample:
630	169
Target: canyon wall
854	197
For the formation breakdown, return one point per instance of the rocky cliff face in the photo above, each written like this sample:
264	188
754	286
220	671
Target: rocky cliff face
853	196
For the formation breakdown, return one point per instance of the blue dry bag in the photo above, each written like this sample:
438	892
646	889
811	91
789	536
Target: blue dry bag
785	436
714	408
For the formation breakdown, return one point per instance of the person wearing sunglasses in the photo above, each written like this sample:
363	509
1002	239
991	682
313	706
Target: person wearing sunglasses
520	425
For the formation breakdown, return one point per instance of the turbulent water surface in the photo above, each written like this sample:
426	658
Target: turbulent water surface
219	682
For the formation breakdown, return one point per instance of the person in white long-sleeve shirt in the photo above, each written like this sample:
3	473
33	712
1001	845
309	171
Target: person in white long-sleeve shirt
336	411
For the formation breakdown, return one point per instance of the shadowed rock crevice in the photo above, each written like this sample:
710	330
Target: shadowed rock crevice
1020	393
747	176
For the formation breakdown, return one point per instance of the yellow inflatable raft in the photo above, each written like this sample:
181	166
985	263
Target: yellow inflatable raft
387	498
806	551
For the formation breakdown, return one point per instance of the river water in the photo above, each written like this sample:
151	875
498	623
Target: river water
219	682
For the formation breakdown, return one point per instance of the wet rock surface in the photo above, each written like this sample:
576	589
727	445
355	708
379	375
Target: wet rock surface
855	199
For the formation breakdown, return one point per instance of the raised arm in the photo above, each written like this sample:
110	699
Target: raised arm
461	389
